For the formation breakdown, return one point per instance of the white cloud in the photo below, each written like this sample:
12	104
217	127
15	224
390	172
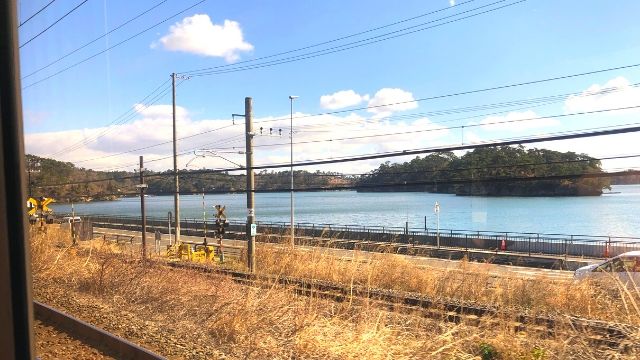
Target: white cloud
160	111
349	135
600	97
601	147
510	122
198	35
452	2
389	100
471	137
342	99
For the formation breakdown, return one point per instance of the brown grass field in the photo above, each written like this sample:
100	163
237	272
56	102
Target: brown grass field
183	314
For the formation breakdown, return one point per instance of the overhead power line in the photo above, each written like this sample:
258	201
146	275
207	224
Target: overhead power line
432	129
221	142
182	153
36	13
453	170
603	91
623	129
190	151
518	141
493	167
458	181
118	120
531	102
455	181
332	40
94	40
158	144
363	42
54	23
468	92
112	46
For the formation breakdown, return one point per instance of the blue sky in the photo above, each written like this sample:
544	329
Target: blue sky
532	40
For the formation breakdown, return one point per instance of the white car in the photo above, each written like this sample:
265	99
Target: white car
71	219
624	267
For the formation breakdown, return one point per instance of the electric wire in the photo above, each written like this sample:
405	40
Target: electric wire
533	103
94	40
603	91
52	25
213	171
330	41
560	136
432	129
182	153
468	92
455	181
158	144
359	43
118	120
112	46
36	13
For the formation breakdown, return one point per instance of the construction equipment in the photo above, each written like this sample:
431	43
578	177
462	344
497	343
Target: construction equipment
201	252
188	251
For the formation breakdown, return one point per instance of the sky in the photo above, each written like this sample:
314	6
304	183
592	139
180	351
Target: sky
371	77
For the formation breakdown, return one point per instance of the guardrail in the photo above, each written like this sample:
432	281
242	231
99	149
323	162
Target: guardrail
589	246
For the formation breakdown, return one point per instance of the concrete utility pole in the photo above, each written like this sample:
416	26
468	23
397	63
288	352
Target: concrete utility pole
293	236
176	195
204	218
436	209
251	214
143	186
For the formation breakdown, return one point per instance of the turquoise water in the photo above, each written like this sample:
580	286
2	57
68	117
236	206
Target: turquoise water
611	214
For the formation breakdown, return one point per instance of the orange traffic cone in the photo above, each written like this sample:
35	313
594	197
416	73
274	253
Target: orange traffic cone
503	245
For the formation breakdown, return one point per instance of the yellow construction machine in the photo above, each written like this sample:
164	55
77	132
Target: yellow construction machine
201	252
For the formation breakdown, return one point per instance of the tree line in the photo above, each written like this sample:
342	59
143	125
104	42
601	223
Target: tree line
83	184
477	172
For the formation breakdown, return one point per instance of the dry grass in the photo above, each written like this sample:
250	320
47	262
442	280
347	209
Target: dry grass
259	323
470	282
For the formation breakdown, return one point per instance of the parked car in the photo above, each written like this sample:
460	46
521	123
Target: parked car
71	219
624	267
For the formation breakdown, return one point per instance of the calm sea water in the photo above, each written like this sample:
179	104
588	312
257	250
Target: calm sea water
613	214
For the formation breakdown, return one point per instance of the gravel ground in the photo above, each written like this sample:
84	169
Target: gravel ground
54	344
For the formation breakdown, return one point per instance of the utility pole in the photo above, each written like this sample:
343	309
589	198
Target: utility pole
73	227
251	214
436	209
169	217
176	195
32	166
293	239
143	186
30	184
204	218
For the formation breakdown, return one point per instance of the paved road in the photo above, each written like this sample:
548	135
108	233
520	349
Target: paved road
351	255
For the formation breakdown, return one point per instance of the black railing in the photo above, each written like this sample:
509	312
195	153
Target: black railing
590	246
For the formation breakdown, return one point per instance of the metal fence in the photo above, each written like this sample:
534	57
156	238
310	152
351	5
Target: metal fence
590	246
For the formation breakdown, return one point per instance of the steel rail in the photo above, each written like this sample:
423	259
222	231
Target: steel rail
600	333
92	335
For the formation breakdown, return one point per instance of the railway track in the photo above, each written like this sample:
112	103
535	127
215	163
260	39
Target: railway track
616	336
93	336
